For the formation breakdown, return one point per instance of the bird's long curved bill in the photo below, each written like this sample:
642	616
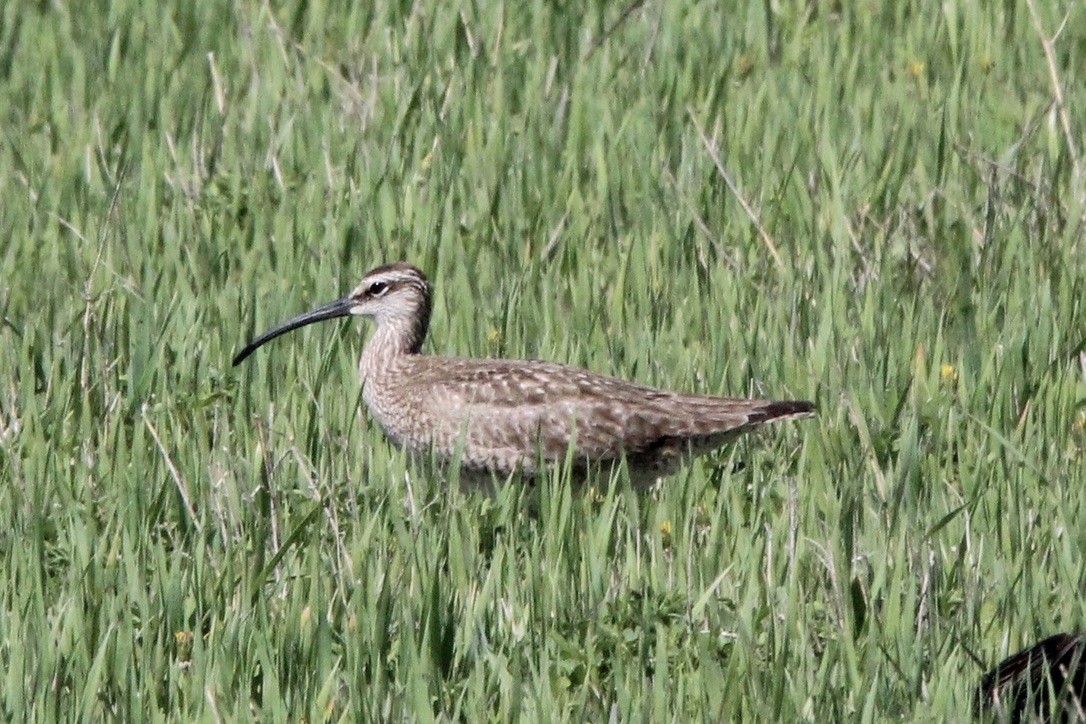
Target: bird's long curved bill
332	310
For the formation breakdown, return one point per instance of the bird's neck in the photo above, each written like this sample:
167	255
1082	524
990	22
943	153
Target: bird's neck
393	340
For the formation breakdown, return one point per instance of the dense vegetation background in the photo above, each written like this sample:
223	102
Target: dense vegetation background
875	205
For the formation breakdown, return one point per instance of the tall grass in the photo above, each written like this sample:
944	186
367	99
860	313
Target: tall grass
872	205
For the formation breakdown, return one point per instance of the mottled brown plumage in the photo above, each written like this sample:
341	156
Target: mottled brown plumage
505	416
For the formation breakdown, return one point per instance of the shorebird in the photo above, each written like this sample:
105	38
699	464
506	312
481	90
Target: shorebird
1044	682
500	416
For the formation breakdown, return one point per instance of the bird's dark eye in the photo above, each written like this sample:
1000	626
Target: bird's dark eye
377	289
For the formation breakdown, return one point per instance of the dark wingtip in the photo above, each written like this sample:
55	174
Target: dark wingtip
786	409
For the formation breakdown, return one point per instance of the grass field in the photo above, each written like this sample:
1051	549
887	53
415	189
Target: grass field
876	206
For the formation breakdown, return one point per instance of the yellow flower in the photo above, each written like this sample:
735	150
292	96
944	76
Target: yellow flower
744	64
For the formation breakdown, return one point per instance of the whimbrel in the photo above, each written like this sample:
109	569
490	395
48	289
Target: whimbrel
504	416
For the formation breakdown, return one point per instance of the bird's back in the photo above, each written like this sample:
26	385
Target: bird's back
510	414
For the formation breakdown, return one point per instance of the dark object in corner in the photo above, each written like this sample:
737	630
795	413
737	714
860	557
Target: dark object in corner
1046	681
